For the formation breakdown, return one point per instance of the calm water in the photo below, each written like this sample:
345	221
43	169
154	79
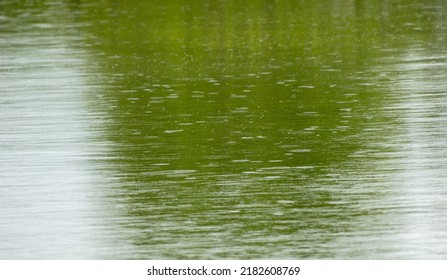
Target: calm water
223	129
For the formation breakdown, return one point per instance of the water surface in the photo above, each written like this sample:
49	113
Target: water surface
223	130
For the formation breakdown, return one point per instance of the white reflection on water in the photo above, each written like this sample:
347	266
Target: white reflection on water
420	196
46	180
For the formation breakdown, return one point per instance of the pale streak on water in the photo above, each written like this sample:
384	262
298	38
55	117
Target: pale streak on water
421	179
412	224
57	193
46	182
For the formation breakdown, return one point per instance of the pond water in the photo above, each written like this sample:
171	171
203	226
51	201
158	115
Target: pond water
223	129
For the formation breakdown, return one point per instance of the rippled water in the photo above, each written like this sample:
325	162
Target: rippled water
223	130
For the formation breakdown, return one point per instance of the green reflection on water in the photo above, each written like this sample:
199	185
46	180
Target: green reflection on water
237	126
250	129
227	119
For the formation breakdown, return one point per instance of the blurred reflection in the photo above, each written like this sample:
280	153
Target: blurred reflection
257	129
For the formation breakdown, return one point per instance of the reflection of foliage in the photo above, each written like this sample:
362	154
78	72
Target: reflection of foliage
258	81
237	86
245	126
231	115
